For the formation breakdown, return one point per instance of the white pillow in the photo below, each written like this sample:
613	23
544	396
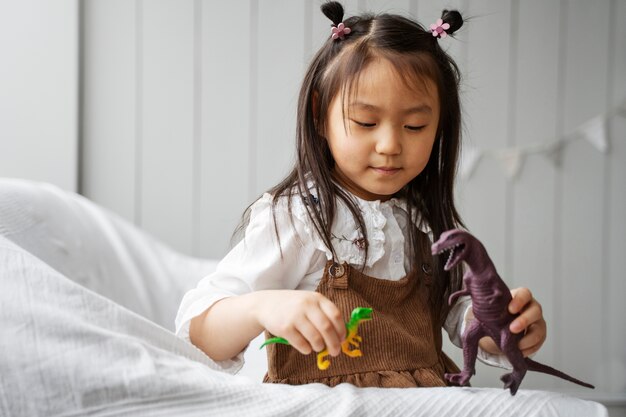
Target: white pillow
98	249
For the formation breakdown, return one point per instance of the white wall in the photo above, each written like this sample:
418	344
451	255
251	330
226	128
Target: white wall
39	90
189	111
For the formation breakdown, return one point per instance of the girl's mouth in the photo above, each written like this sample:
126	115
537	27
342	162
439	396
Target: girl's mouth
386	170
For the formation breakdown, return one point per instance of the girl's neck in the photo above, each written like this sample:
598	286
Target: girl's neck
356	191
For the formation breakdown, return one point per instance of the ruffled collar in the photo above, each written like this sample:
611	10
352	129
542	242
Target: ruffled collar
368	206
348	239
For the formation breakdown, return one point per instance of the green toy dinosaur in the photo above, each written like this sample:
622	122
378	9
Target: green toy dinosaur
358	315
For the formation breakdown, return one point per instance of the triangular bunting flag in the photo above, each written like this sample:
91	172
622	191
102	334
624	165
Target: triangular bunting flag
469	159
512	161
594	132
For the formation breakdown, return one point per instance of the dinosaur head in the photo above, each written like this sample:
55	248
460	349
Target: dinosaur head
361	313
456	242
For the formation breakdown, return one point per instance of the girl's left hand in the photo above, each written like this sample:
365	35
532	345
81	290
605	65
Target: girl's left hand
530	320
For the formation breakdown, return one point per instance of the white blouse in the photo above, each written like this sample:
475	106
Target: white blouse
255	263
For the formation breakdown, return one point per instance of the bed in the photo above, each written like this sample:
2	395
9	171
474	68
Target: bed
87	303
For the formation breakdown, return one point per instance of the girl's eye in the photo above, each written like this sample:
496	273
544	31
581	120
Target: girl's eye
364	124
415	128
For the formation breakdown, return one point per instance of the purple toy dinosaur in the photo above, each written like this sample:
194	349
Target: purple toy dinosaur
490	302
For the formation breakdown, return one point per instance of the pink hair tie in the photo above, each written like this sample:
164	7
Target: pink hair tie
439	28
340	31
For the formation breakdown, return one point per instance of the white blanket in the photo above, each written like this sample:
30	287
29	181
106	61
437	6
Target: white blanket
66	350
98	249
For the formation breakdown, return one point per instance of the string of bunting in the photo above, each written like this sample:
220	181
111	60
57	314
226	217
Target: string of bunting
512	159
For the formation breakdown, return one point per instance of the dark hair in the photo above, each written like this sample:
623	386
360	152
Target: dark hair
417	56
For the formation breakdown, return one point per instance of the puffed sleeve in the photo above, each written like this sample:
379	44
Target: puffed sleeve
455	325
256	263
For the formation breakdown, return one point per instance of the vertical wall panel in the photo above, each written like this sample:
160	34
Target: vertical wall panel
225	123
615	223
167	135
39	91
319	29
580	254
352	7
281	65
536	95
486	104
401	7
109	104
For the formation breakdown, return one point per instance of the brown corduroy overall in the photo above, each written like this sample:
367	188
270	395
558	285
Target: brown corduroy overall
401	345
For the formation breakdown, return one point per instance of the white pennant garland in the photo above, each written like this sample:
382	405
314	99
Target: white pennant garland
470	158
512	159
554	152
594	131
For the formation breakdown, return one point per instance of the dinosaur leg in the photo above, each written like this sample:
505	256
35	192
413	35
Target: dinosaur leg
509	347
322	362
470	350
352	340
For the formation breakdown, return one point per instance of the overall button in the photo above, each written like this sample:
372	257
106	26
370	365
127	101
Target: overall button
336	270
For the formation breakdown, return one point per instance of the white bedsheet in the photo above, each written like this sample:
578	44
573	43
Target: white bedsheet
66	350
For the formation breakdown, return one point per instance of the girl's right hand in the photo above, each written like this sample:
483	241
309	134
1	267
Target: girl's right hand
308	320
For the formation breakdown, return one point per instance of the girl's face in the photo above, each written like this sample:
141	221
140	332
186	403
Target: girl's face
387	135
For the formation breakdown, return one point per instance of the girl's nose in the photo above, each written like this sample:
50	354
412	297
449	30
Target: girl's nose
388	143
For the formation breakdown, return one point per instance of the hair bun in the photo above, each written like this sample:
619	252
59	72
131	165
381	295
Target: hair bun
334	11
453	18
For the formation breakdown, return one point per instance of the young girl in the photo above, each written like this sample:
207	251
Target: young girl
378	139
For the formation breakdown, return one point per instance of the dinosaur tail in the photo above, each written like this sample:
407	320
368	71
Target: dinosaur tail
539	367
280	340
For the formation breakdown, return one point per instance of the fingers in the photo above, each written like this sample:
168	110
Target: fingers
308	320
323	331
338	326
530	321
529	310
298	341
313	338
306	338
521	297
534	338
